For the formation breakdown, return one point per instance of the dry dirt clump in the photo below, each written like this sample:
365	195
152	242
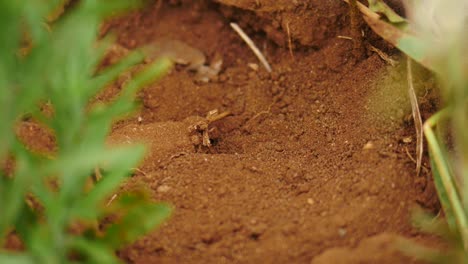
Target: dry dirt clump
307	22
166	141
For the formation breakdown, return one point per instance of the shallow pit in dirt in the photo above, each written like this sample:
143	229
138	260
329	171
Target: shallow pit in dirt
311	166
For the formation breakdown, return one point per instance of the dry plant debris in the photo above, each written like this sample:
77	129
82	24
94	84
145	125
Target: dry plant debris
385	57
200	130
416	116
251	45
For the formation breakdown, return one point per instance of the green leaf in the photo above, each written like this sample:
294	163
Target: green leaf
35	13
420	252
94	251
112	72
416	48
38	238
139	217
14	190
443	198
47	245
124	103
429	223
444	179
413	46
117	168
81	163
114	7
16	259
10	24
381	7
153	72
61	68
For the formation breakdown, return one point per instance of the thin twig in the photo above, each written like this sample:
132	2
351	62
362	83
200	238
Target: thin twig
384	56
111	199
212	118
416	116
251	45
97	174
409	156
345	37
264	112
289	41
424	168
140	171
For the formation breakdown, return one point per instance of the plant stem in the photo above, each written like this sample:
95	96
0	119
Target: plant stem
445	175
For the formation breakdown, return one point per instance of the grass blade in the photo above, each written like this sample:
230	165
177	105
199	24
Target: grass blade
445	185
416	117
380	6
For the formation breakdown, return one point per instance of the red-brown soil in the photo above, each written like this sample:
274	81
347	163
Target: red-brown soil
312	165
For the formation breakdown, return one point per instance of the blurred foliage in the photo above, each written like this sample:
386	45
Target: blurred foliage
56	64
435	34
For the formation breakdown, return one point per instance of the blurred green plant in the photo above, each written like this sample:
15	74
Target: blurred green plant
60	68
435	34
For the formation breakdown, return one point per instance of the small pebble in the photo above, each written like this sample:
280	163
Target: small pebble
163	189
253	66
407	140
368	145
342	232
